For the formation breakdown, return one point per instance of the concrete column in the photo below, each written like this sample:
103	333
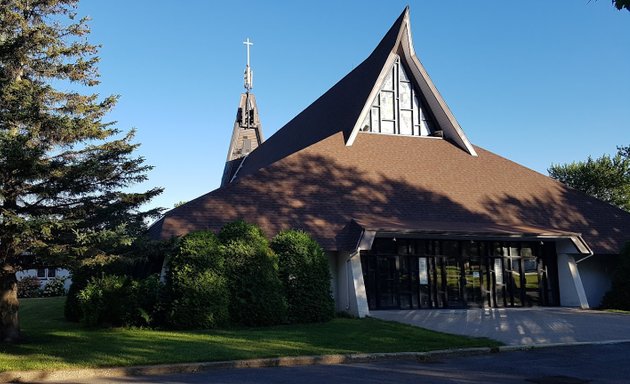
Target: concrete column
359	286
572	292
351	295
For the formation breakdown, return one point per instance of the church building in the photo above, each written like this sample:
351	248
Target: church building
411	214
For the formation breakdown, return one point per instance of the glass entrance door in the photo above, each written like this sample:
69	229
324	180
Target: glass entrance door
454	282
387	282
419	273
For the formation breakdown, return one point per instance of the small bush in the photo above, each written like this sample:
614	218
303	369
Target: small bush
89	269
105	301
197	295
120	301
28	287
619	295
144	301
303	270
55	287
255	291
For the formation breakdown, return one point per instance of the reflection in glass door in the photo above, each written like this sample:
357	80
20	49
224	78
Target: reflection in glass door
387	282
418	273
453	279
532	271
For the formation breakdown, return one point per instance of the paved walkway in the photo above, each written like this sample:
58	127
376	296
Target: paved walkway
519	326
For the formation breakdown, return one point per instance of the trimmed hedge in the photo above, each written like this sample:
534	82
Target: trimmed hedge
197	292
119	301
304	272
251	269
208	281
143	259
103	301
89	269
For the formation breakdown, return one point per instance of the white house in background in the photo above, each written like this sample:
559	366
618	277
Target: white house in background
47	274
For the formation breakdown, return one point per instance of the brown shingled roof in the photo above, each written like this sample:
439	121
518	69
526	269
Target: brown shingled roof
324	186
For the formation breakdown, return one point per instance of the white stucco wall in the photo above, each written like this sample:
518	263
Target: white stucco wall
596	273
572	293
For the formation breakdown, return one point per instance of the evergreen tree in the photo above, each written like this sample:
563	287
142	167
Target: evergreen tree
63	168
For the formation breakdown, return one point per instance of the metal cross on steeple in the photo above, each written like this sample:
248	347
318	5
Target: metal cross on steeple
249	74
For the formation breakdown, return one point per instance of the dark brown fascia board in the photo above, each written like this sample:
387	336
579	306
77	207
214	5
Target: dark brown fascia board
441	111
367	237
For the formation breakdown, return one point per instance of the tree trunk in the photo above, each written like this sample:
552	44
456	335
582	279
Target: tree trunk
9	325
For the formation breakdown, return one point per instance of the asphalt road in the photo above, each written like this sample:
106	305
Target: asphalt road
559	365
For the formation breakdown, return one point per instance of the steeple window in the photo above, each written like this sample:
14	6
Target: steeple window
397	109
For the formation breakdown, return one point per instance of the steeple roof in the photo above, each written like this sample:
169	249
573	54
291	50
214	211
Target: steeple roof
247	133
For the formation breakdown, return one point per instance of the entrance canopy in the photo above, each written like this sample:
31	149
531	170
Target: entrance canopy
367	229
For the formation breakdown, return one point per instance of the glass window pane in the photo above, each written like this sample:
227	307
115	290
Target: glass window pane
375	119
424	127
365	126
387	127
387	105
416	104
389	80
405	123
405	95
402	73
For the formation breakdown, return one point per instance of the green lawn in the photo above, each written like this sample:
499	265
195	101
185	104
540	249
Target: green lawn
53	343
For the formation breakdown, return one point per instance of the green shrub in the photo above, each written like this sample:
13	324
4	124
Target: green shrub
619	295
255	291
119	301
29	286
105	300
55	287
197	295
200	300
303	270
82	274
144	300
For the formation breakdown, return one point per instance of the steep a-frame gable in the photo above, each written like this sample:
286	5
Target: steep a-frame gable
345	106
431	116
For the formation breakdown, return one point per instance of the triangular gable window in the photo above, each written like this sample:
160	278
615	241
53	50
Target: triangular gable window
397	108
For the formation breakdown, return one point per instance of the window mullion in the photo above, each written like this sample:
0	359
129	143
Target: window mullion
397	97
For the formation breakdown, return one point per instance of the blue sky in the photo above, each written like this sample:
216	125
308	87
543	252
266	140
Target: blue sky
538	81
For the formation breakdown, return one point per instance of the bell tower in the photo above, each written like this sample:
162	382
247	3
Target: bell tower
247	132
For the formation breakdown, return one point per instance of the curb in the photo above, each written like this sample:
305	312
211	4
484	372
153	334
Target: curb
511	348
166	369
